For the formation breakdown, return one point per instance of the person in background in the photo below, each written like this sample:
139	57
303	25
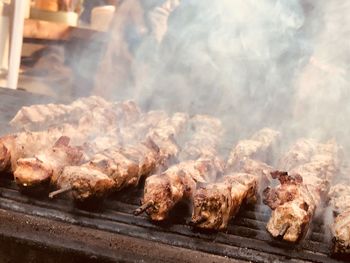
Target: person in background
137	25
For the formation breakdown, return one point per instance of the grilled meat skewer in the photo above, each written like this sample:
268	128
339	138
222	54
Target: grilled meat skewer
300	193
216	204
299	153
250	156
27	144
165	134
259	147
293	207
163	191
202	143
46	115
37	171
44	163
138	130
176	184
123	166
111	170
339	195
261	170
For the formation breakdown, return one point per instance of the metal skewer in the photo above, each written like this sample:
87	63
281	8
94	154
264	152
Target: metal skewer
60	191
143	208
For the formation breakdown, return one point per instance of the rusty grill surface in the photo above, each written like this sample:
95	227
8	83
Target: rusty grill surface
245	238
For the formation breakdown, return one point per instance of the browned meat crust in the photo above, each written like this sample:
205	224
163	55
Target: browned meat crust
163	191
259	147
340	203
202	142
124	165
295	200
31	172
27	144
48	115
214	205
285	193
299	153
293	207
341	233
177	183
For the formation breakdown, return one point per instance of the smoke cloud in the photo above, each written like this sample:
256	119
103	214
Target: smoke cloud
277	63
274	63
233	59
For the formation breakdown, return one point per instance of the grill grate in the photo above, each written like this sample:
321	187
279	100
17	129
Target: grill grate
245	238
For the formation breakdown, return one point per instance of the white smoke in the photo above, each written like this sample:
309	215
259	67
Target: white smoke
279	63
234	59
323	87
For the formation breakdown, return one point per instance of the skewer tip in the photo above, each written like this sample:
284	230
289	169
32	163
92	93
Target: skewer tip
143	207
59	191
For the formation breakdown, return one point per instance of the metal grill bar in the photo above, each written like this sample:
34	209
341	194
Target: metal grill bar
246	237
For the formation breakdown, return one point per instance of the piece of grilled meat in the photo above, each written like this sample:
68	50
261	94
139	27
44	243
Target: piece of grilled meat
301	190
124	165
261	146
47	115
202	142
27	144
293	207
165	135
339	195
95	149
341	233
137	131
299	153
117	168
250	156
261	170
37	171
163	191
34	173
214	205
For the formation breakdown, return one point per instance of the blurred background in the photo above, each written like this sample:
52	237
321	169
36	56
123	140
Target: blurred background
56	36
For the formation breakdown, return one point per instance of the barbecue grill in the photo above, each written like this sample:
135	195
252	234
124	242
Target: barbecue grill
39	228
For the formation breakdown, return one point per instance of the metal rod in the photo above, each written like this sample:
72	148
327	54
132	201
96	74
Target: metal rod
143	208
60	191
